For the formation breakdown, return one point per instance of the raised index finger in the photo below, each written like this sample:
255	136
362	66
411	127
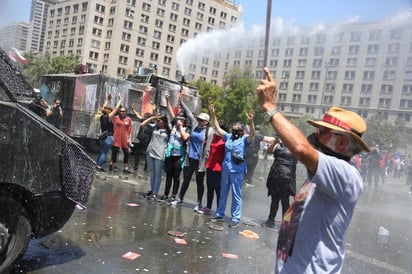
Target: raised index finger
268	75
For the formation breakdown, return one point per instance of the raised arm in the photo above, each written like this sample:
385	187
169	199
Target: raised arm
290	135
215	122
138	116
116	108
250	115
169	107
189	114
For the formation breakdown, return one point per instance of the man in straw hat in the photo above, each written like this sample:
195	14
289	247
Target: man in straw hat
312	234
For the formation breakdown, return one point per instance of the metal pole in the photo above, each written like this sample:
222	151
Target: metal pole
267	32
323	89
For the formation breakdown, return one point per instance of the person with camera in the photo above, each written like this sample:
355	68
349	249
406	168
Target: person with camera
312	234
233	166
54	115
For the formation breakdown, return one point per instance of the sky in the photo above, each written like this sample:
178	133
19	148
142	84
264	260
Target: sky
301	12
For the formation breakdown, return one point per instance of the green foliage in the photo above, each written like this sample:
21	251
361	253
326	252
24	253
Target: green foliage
382	132
46	64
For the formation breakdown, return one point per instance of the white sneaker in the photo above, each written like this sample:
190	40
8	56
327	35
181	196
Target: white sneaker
177	202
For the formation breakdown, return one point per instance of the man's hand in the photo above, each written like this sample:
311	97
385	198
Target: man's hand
250	115
266	92
212	110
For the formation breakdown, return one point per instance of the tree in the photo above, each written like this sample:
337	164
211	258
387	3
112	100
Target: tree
382	132
46	64
209	93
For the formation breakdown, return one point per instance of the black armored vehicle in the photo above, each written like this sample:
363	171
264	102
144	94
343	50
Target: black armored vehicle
44	174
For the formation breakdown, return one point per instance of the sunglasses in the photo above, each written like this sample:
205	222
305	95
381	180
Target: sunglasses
122	111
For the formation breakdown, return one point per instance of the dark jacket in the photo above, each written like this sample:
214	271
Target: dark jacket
282	175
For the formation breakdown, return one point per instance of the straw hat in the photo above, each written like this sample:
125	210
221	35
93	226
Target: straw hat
343	120
203	116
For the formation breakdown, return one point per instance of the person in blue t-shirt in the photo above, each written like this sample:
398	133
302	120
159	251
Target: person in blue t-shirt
312	234
233	166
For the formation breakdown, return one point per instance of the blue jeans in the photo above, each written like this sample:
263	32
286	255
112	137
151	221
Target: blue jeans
232	181
155	167
105	149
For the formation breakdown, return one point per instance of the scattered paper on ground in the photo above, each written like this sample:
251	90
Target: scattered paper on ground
180	241
249	234
230	256
131	255
132	204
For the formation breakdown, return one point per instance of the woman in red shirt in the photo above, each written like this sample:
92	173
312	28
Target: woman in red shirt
122	138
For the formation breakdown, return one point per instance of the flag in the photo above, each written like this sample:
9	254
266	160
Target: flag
16	57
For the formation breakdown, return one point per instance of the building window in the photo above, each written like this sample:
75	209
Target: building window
170	38
314	86
355	36
349	75
201	6
175	6
211	20
394	48
285	74
368	75
185	32
366	89
139	52
353	49
167	60
395	34
123	60
127	25
283	85
154	56
97	32
172	28
161	2
159	23
141	41
386	89
129	12
143	29
155	45
370	62
287	63
347	88
157	34
296	98
352	62
146	6
300	74
364	101
93	55
169	49
375	35
126	36
124	48
303	51
389	75
318	51
373	49
345	100
384	102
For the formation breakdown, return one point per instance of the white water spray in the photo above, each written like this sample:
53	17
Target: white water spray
218	41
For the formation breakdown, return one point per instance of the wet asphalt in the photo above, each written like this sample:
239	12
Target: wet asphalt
122	232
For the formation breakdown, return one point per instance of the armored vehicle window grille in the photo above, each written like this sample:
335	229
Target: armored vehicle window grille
78	172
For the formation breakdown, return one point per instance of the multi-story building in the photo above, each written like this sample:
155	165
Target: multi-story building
38	20
116	37
14	36
365	67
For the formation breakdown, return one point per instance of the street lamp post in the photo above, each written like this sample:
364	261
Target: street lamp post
323	89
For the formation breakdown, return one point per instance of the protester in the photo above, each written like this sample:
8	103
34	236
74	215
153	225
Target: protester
198	150
54	115
233	167
38	105
281	181
143	137
122	139
312	234
252	155
374	166
214	167
155	152
107	130
175	154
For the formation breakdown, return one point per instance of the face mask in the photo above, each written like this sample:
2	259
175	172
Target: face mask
236	134
313	140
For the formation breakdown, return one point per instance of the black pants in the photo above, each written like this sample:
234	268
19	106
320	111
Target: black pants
274	205
139	152
116	150
187	176
251	165
173	170
213	186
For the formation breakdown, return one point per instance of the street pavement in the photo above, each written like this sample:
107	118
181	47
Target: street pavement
122	232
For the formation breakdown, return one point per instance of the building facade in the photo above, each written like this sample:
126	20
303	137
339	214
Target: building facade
14	36
38	21
116	37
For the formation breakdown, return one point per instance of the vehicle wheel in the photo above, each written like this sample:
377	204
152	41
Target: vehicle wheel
15	232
